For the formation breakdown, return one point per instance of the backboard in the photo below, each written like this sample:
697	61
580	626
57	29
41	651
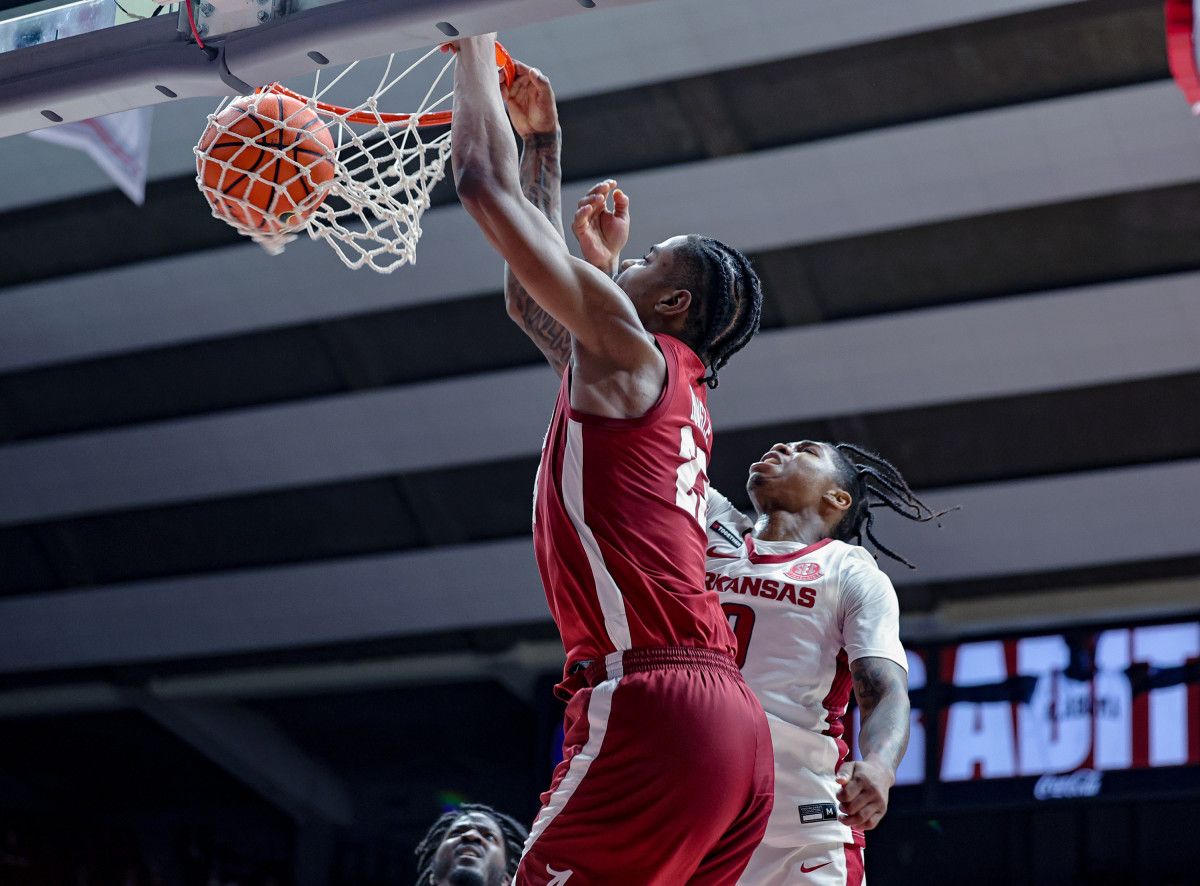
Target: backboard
65	60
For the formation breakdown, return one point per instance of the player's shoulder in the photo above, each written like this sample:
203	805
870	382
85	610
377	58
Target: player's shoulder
852	563
725	524
847	555
684	368
859	575
679	349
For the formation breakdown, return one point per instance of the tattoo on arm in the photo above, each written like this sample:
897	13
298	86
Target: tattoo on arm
881	688
541	175
541	183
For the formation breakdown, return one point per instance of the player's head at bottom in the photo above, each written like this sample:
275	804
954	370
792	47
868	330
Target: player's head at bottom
833	486
473	845
700	290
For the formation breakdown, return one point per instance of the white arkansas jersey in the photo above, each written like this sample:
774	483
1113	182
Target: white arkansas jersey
801	614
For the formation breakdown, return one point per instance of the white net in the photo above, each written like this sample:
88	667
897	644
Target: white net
276	164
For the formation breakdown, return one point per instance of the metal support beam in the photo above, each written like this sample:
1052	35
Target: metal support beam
252	749
149	62
1017	613
517	668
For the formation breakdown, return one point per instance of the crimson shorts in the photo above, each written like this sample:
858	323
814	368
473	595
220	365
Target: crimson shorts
667	775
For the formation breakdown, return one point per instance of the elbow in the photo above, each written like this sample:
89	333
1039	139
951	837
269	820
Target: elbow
480	182
897	702
476	188
483	196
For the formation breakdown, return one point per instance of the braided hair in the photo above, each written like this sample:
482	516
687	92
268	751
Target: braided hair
513	832
729	304
872	482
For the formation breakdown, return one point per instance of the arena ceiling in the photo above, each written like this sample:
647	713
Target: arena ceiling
976	225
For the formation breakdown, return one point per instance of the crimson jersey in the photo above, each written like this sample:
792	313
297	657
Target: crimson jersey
619	511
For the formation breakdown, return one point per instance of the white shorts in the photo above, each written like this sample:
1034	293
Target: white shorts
804	843
818	864
806	803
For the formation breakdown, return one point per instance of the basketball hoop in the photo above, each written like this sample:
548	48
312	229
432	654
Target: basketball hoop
264	164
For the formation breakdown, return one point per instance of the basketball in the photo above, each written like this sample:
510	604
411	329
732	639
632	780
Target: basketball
262	160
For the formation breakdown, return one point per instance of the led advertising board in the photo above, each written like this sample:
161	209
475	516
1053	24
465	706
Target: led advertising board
1063	710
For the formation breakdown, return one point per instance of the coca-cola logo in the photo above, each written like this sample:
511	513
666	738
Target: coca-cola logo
1080	783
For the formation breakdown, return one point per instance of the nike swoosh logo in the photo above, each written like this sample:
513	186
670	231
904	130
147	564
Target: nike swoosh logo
805	870
712	552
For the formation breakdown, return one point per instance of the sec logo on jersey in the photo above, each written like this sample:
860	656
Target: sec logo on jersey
805	571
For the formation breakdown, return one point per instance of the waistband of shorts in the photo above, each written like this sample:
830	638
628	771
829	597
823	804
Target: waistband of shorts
653	658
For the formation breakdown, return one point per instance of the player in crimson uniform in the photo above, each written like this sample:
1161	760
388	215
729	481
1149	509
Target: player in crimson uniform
814	615
654	697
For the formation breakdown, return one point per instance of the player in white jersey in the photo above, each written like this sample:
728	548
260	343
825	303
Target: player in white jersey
814	615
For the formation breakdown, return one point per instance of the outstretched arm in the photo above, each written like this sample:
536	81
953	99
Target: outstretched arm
534	115
601	232
881	688
607	336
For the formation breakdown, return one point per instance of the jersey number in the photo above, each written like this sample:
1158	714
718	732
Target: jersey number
741	620
696	462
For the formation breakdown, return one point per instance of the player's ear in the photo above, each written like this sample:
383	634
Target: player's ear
675	303
839	499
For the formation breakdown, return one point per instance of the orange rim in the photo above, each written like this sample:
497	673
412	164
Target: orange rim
504	64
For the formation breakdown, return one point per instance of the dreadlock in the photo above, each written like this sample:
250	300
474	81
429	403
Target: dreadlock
872	482
730	302
514	839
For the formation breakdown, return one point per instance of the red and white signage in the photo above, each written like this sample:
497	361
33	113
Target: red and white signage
1117	699
1076	704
